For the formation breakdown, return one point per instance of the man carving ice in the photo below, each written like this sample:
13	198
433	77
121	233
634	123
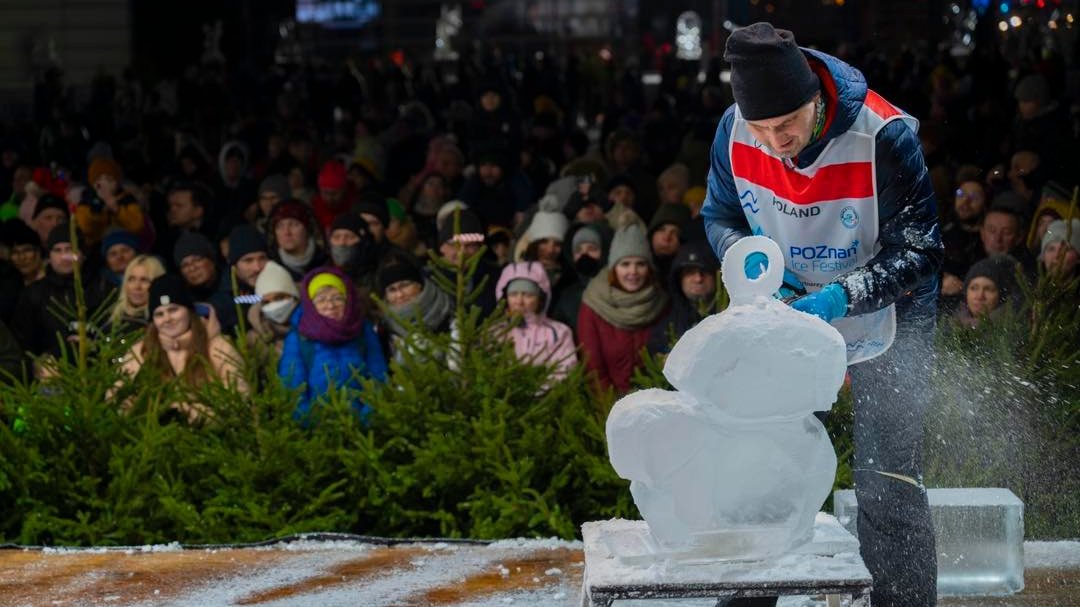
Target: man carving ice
813	159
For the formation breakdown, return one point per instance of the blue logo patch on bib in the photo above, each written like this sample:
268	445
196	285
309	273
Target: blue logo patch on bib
849	218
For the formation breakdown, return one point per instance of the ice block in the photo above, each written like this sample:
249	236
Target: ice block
980	538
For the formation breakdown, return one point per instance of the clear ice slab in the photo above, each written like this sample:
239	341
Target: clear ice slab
980	538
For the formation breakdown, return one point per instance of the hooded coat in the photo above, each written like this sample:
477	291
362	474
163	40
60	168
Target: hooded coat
539	339
315	365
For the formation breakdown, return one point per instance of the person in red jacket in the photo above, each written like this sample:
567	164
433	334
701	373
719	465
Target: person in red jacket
619	309
335	197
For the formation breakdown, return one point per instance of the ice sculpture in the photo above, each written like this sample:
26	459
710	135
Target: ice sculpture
734	465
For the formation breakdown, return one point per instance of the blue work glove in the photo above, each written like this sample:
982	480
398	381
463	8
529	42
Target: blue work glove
792	287
827	304
755	265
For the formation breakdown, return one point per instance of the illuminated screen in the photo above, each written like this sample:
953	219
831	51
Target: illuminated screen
338	13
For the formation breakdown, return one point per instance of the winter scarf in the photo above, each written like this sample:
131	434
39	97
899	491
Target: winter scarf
624	310
317	327
297	263
432	306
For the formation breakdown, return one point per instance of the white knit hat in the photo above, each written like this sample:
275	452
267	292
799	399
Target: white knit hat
629	241
549	222
1057	231
275	279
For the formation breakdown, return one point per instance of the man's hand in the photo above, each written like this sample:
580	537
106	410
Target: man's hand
827	304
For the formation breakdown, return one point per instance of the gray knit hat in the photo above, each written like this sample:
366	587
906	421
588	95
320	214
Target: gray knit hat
1057	231
586	233
629	241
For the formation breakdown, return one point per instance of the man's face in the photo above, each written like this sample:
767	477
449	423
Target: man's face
589	213
183	212
332	196
448	164
490	101
1000	232
62	259
697	284
344	238
105	185
970	201
26	258
249	266
1023	163
233	167
625	154
786	135
671	191
665	240
587	248
622	194
198	271
490	173
375	226
450	250
1028	109
291	235
118	257
46	221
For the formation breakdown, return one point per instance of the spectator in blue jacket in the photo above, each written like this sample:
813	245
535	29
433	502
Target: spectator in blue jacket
331	345
812	158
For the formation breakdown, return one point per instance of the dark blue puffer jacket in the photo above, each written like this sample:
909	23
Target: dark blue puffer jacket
905	270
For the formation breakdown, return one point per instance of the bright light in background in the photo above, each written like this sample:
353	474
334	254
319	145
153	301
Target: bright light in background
688	36
725	76
1004	8
1003	26
1069	18
1015	21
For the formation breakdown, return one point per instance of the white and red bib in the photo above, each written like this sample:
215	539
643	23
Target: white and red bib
824	216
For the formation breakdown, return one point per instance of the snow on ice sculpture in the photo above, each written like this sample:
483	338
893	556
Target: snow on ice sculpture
734	465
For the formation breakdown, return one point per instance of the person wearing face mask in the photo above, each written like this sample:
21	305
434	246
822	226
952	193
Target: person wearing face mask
131	311
692	284
272	317
331	346
178	346
353	251
538	340
585	257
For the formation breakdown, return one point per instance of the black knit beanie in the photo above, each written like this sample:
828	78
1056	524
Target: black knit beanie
192	243
999	268
243	239
374	204
351	222
398	271
58	235
472	229
770	76
169	289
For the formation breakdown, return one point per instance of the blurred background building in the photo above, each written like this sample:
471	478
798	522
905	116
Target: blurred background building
162	38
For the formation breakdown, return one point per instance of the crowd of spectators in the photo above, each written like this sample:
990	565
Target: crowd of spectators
298	197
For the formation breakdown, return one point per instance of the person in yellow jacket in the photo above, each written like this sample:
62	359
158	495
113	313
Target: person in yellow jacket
104	203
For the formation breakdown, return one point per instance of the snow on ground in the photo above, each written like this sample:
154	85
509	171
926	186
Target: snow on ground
1052	555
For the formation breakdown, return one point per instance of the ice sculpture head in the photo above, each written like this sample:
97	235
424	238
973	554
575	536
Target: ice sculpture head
734	464
759	358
